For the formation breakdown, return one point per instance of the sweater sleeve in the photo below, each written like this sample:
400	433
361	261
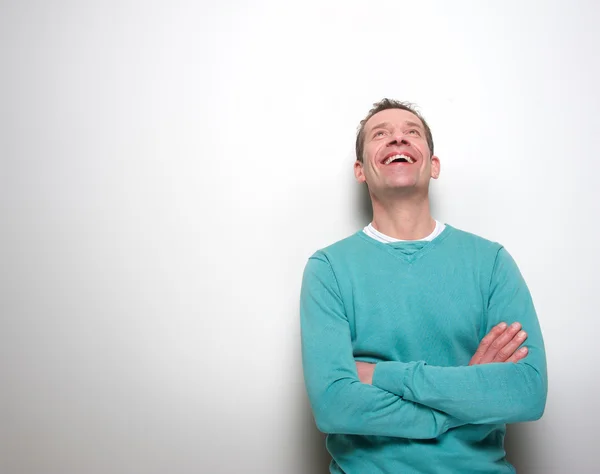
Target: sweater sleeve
340	402
488	393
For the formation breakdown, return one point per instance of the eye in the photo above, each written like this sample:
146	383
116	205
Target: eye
380	133
414	132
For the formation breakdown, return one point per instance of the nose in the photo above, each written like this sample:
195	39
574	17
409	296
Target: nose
398	139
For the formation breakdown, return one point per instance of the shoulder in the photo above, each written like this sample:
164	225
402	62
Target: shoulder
325	264
472	242
342	248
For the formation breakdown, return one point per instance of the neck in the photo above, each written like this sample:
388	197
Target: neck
405	219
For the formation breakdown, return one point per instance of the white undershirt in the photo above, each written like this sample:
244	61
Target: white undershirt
386	239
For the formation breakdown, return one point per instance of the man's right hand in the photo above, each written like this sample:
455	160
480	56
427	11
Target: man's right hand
500	345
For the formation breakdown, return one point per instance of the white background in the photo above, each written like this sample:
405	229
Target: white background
168	167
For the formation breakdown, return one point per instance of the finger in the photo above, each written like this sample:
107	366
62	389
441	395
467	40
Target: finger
509	349
487	341
500	342
520	354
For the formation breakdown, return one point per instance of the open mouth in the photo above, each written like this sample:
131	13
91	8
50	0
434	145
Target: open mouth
398	158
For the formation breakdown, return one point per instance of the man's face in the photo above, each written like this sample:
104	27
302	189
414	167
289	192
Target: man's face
396	155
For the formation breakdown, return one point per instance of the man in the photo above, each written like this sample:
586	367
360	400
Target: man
397	369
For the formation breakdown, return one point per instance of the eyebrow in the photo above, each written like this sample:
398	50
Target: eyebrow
414	124
388	125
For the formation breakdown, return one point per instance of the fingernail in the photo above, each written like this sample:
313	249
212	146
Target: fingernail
502	325
523	349
515	325
521	334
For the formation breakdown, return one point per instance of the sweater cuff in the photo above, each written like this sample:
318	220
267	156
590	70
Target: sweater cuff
390	376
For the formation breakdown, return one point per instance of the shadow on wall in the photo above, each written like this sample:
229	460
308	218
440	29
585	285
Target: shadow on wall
363	212
520	452
315	453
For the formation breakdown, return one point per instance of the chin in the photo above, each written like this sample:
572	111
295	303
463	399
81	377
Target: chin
403	184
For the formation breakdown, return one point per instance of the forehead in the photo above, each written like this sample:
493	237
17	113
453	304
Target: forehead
396	117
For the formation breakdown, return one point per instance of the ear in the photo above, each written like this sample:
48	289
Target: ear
359	172
435	167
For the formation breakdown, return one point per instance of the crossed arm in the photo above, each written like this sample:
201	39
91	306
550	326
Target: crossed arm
501	344
340	402
415	400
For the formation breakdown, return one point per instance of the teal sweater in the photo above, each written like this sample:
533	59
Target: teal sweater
419	311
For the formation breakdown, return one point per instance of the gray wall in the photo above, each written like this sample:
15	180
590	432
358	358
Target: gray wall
168	167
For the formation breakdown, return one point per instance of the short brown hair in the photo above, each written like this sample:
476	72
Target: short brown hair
385	104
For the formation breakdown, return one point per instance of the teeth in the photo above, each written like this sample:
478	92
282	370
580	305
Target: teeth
395	157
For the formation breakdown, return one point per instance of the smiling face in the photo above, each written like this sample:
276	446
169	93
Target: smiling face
396	155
